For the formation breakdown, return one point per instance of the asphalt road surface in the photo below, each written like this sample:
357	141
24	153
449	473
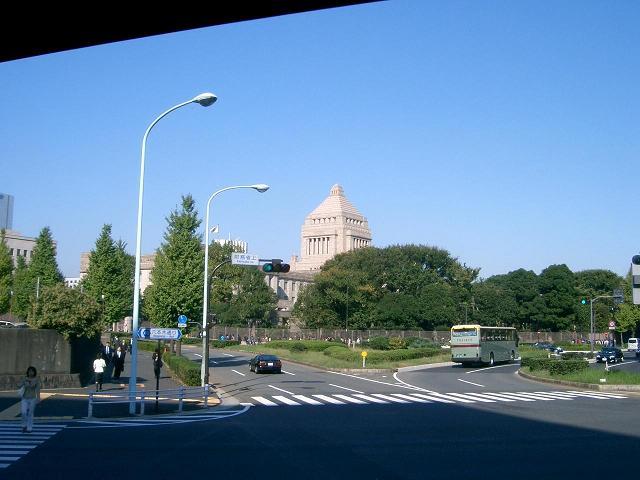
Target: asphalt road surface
309	423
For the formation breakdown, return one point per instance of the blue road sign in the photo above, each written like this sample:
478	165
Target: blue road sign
159	333
182	321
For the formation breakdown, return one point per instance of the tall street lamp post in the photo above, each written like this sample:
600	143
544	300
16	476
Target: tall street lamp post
204	369
204	99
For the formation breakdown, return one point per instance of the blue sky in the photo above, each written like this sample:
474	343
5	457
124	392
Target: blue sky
505	132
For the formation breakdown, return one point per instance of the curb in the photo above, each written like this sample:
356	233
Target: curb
588	386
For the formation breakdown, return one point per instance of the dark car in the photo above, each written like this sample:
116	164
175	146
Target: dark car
265	363
548	346
609	354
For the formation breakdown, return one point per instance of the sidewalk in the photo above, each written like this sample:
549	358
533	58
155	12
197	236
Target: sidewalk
72	403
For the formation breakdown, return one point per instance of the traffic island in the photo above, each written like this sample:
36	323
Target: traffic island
602	387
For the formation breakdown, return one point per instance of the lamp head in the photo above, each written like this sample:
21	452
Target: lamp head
261	187
205	99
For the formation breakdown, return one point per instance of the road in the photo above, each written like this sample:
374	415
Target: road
310	423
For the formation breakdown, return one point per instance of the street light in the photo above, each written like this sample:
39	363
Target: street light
204	369
204	99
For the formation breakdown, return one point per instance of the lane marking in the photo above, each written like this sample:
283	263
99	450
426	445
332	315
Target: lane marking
345	388
264	401
432	398
286	400
493	396
489	368
408	385
198	355
409	397
244	375
465	381
551	395
602	394
288	373
448	397
378	381
281	390
228	355
387	397
369	398
329	399
515	396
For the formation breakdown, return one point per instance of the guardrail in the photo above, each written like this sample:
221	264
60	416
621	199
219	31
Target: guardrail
142	396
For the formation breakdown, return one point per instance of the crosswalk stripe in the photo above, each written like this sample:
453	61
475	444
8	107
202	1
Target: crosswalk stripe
326	398
349	399
512	397
4	465
308	400
8	459
369	398
548	395
492	396
264	401
408	397
449	397
432	398
533	395
524	397
599	394
286	400
387	397
470	397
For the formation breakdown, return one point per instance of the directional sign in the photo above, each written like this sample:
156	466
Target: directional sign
159	333
244	259
182	321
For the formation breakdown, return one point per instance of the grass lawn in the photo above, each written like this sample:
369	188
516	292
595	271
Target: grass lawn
319	359
590	375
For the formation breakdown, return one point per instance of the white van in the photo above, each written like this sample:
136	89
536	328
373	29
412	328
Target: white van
632	345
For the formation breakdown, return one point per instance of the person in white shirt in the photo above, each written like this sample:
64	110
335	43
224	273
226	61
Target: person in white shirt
98	368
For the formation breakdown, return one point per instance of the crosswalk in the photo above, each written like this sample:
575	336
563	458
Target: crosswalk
14	444
426	397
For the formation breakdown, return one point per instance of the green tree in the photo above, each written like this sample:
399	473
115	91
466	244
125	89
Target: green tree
110	274
43	268
177	275
6	277
495	306
23	289
557	286
68	311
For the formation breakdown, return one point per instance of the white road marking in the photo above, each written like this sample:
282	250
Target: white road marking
515	396
281	390
288	373
409	397
198	355
308	400
244	375
476	384
387	397
264	401
349	399
489	368
378	381
468	396
532	395
369	398
601	394
408	385
495	396
447	397
326	398
432	398
286	400
551	395
345	388
227	355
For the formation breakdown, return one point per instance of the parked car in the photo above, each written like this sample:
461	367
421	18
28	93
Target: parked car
7	324
548	346
265	363
610	354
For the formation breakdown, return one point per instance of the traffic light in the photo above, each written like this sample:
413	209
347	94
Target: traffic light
276	266
584	301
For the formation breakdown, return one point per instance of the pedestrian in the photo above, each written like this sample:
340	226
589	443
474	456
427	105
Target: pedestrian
98	368
29	397
118	362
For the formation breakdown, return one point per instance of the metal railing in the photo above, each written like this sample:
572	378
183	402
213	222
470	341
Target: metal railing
141	397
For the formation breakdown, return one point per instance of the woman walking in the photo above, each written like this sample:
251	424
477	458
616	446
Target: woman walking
30	393
98	368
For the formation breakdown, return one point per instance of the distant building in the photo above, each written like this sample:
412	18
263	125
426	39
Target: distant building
146	265
6	211
71	282
239	245
19	245
334	227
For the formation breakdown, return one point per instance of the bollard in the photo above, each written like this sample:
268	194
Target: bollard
90	413
180	397
142	402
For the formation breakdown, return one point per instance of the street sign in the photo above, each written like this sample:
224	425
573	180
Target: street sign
159	333
245	259
612	325
182	321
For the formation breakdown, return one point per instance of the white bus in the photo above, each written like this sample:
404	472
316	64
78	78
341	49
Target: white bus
632	345
476	344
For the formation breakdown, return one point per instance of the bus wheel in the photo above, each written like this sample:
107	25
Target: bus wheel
491	360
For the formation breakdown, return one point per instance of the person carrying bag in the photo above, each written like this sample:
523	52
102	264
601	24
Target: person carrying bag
29	392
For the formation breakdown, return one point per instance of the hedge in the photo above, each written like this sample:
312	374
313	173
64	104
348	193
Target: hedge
303	345
554	366
343	353
185	369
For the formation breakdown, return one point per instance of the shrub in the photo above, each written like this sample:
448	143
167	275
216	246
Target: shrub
378	343
397	343
311	345
342	353
554	366
183	368
298	347
374	357
223	343
415	342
